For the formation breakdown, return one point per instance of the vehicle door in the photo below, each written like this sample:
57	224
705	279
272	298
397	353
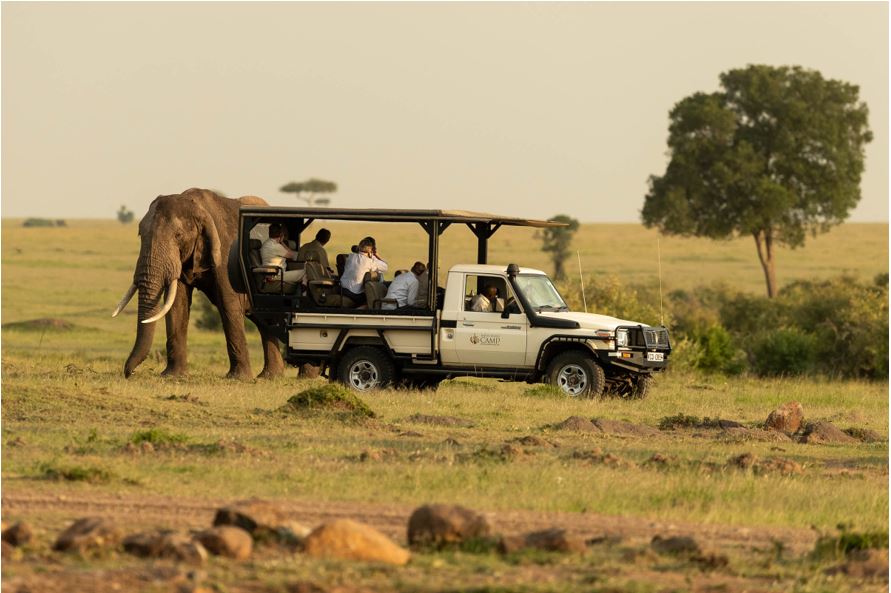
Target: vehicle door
486	339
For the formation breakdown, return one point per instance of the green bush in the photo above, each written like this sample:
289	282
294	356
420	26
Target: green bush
718	351
158	436
784	352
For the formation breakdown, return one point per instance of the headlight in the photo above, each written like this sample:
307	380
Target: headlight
621	337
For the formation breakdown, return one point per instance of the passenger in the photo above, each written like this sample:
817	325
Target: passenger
487	301
404	288
317	249
357	265
274	252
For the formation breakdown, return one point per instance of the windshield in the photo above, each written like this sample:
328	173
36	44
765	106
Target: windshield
540	293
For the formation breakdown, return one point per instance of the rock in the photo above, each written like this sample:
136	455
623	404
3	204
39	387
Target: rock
309	371
549	540
675	545
441	420
865	435
257	517
350	540
165	544
89	533
619	427
532	441
228	541
578	424
442	524
18	534
825	432
786	418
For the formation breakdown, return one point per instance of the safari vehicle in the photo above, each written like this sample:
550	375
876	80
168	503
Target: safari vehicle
535	338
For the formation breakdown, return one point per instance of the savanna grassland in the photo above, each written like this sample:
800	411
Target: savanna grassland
74	436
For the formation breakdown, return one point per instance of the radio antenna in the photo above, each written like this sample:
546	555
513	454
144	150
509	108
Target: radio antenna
582	280
659	256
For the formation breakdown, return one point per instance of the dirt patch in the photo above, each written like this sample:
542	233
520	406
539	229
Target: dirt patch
577	424
864	435
533	441
329	398
622	428
41	325
750	461
683	421
440	420
596	456
824	433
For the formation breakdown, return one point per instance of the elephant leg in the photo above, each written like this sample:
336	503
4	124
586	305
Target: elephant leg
273	364
232	315
177	322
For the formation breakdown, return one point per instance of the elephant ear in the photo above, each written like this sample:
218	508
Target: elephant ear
208	251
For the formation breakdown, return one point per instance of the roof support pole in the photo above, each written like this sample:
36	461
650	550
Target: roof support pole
483	230
302	223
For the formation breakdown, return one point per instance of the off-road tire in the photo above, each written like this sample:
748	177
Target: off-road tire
576	374
365	368
640	387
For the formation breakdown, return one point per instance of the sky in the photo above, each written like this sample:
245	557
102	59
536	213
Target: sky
529	109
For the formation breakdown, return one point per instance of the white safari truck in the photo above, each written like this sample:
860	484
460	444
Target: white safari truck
535	338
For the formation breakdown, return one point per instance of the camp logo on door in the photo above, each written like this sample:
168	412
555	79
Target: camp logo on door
485	340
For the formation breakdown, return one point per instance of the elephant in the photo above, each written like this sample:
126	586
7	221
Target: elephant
185	239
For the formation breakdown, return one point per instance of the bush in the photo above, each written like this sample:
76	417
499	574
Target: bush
159	437
43	222
718	351
784	352
607	296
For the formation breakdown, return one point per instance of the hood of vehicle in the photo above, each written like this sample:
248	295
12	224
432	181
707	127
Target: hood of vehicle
590	320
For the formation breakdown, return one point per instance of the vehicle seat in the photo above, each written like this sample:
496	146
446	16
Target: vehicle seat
468	302
376	291
341	263
323	289
267	278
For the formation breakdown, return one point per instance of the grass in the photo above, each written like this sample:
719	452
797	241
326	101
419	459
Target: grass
68	416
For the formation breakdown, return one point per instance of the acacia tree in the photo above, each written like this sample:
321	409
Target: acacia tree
556	240
777	153
309	191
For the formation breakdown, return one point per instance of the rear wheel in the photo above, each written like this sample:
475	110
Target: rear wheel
365	368
576	375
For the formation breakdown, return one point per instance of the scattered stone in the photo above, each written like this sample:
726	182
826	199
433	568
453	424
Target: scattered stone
865	435
825	432
165	544
88	534
441	420
622	428
309	371
679	545
18	534
443	524
710	561
257	517
578	424
231	542
549	540
786	418
350	540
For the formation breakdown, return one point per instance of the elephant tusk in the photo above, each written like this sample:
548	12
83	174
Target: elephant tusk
129	295
171	295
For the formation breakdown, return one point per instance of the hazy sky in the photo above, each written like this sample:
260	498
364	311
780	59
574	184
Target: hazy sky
521	109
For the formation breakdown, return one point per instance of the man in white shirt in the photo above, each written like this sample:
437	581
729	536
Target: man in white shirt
487	301
404	288
274	252
357	265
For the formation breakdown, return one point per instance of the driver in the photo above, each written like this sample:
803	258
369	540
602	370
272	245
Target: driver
487	301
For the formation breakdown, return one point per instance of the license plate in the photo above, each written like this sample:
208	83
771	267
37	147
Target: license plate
655	356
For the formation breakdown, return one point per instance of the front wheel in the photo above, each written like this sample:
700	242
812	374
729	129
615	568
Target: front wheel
576	375
365	368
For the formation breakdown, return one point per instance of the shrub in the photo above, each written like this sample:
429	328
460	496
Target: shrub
784	352
608	296
829	546
719	352
125	216
75	473
158	436
42	222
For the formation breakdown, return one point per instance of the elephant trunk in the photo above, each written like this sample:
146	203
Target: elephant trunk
152	277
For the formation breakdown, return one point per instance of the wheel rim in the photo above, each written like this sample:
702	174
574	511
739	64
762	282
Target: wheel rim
363	375
572	380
